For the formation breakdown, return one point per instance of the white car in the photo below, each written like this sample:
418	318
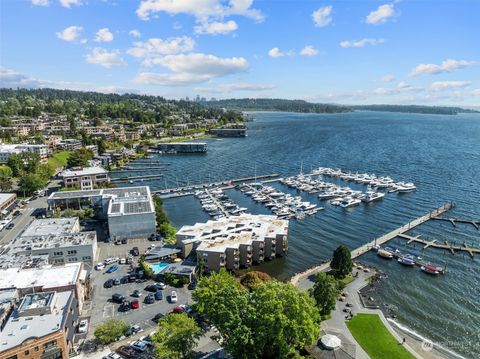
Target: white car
113	356
99	266
173	297
123	260
83	326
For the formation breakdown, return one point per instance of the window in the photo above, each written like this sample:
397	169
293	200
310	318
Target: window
58	253
59	260
73	251
13	357
86	258
36	349
73	259
27	352
50	344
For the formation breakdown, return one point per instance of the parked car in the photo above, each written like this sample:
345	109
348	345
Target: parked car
112	356
126	351
135	304
99	266
161	285
112	269
116	281
178	309
157	317
140	346
125	306
188	309
136	293
136	329
124	241
173	297
158	295
16	213
151	288
118	298
108	283
10	225
149	299
192	285
135	251
83	326
123	261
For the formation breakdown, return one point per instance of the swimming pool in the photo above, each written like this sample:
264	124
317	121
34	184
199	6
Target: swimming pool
159	267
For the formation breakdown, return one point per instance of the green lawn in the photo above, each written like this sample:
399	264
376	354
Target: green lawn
375	339
59	159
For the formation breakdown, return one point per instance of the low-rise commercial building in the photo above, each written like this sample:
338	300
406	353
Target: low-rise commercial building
86	178
129	211
58	238
235	242
7	202
41	327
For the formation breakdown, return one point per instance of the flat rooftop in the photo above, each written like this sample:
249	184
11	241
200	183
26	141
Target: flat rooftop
51	226
129	192
21	327
45	277
85	171
4	197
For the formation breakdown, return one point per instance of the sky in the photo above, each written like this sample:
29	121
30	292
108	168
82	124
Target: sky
350	52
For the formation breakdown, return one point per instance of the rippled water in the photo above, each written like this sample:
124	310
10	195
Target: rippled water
441	154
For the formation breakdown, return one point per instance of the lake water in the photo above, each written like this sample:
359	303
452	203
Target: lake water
440	154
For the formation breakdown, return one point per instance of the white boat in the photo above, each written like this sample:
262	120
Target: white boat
408	187
385	254
348	202
372	196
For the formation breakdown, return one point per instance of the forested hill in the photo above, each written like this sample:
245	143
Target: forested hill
266	104
433	110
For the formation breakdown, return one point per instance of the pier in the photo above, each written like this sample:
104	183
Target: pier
454	221
225	184
135	178
446	245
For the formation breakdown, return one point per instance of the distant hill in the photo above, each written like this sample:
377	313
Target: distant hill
433	110
267	104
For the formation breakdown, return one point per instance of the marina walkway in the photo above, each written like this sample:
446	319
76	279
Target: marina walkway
434	244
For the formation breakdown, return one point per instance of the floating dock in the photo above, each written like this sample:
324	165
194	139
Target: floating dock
135	178
446	245
454	221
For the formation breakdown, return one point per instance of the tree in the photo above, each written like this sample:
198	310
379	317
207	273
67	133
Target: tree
30	183
325	292
273	321
341	263
253	278
15	163
23	162
110	330
5	183
177	335
80	157
46	171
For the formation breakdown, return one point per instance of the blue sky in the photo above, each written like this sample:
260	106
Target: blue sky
353	52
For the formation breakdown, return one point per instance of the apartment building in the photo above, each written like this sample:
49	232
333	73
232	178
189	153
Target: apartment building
41	327
235	242
7	151
85	178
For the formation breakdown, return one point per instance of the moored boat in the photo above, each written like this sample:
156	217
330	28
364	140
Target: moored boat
385	254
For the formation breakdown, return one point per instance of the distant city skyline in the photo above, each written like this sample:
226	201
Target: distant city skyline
348	52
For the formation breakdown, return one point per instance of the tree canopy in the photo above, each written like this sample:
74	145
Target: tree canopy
110	330
176	336
274	320
80	157
325	291
341	263
253	278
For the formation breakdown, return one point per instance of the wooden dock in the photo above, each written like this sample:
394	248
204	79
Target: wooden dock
135	178
454	221
446	245
396	232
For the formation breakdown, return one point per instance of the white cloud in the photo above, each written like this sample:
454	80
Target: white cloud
388	78
446	85
154	46
223	88
191	68
381	15
476	92
135	33
200	9
322	17
70	33
41	2
69	3
309	51
216	27
403	85
105	58
103	35
276	53
383	91
361	43
446	66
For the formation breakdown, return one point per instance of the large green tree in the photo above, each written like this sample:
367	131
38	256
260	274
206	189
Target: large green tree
341	263
80	157
5	183
325	291
274	320
110	330
176	336
30	183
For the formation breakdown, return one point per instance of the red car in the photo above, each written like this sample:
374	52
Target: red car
178	310
135	304
126	351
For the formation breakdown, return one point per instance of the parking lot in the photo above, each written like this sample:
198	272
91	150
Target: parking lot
102	307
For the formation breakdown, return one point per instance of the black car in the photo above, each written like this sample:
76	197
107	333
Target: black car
108	283
151	288
136	293
117	281
132	278
124	241
125	306
157	317
192	285
10	225
118	298
124	279
158	295
149	299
